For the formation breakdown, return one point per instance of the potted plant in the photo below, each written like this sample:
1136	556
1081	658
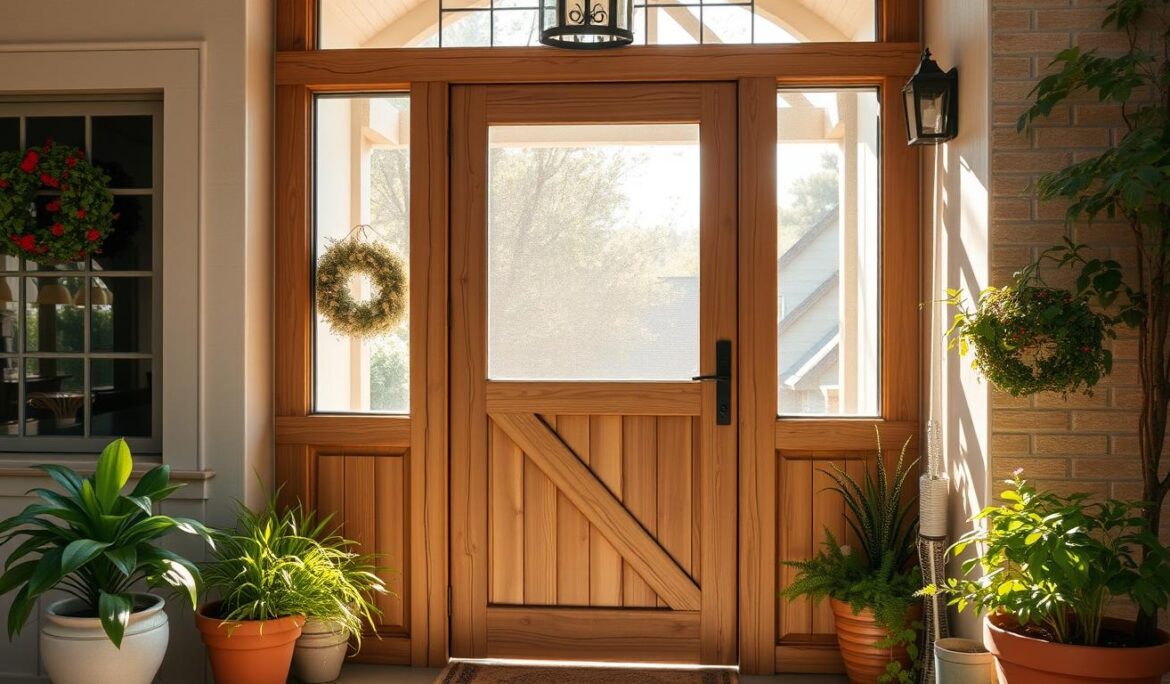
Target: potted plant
1049	566
349	585
872	592
270	575
96	544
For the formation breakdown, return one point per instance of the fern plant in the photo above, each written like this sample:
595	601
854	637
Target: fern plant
883	576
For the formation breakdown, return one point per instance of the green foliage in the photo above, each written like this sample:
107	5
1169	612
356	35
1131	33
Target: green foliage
883	577
95	543
79	213
1030	338
1057	561
284	563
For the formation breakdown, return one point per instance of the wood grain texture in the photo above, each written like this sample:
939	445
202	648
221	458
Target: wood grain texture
605	459
604	510
296	475
828	513
796	541
390	649
506	527
718	449
900	21
757	375
540	530
331	488
809	653
293	252
639	496
809	63
807	437
392	538
349	430
296	24
675	515
572	527
594	104
468	436
429	120
595	398
621	635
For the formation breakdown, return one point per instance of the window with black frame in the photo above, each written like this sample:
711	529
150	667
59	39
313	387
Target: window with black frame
80	342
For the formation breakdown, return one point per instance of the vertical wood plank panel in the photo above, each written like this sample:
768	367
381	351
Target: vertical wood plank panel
757	376
359	507
331	489
605	459
796	542
294	475
507	520
391	502
719	477
828	513
640	495
429	289
675	490
697	499
572	527
469	576
295	24
293	251
540	537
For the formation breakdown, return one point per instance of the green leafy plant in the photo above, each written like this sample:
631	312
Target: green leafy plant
1129	182
1031	338
95	543
285	563
883	577
1055	562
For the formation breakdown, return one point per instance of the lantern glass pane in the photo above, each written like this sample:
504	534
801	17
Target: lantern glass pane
396	23
932	107
827	271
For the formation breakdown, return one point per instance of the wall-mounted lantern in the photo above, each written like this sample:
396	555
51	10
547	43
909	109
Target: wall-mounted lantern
931	98
586	24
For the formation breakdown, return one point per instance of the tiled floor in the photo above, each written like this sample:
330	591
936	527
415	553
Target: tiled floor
382	674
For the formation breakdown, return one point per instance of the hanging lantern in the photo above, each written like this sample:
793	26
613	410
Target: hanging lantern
931	98
586	24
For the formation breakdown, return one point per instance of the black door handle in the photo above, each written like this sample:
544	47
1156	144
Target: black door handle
722	378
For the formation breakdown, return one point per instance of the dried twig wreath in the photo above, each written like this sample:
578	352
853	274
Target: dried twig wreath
386	271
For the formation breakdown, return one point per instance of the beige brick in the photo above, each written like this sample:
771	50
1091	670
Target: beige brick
1011	20
1124	373
1074	444
1104	421
1011	67
1126	491
1007	443
1033	468
1011	256
1009	114
1127	445
1011	185
1107	468
1042	161
1028	4
1099	399
1124	347
1004	400
1057	19
1031	233
1011	210
1097	114
1126	398
1003	92
1108	42
1031	42
1072	136
1095	489
1029	421
1005	137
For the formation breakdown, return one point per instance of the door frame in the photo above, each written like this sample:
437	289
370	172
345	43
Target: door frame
702	627
302	71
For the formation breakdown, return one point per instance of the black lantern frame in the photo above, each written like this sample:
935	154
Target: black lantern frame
587	24
931	99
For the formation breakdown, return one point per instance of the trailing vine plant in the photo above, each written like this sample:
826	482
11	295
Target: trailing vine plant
1129	182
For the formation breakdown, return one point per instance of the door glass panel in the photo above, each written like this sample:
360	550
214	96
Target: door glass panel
362	178
827	271
593	252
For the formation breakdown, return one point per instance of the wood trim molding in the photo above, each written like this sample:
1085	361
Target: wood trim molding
632	635
809	653
337	431
757	375
294	251
596	398
593	499
799	63
805	435
296	24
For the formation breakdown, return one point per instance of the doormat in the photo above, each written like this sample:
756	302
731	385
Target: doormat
474	673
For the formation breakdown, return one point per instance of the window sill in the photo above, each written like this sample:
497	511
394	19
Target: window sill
18	476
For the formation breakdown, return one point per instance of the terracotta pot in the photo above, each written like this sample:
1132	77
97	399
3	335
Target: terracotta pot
249	651
856	636
75	650
1021	659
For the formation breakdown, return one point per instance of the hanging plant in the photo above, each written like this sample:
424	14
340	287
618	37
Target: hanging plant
386	271
79	207
1031	338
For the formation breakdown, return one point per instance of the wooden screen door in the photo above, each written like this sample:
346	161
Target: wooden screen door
593	266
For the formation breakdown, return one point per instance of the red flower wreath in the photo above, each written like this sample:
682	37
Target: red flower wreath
79	211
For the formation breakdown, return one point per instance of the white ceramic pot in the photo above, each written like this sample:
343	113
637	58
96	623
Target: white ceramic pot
75	650
963	661
320	652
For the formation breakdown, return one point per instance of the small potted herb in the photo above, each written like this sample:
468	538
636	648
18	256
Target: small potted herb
1049	567
97	544
872	592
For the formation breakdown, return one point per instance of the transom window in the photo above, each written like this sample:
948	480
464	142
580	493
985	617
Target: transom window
80	342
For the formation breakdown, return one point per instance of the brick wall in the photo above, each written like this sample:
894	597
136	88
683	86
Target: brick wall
1080	443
